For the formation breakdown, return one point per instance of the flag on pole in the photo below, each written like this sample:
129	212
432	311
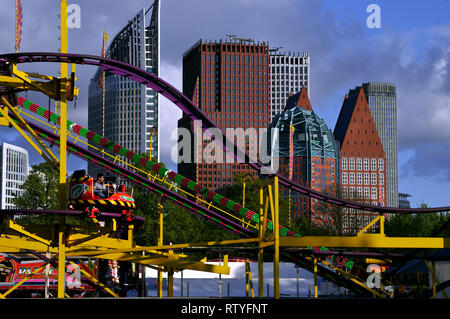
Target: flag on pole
380	195
291	165
102	75
197	130
291	151
19	17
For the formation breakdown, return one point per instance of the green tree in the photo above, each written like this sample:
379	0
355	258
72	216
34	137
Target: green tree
41	188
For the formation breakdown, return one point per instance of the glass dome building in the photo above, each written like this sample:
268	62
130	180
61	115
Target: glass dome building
306	152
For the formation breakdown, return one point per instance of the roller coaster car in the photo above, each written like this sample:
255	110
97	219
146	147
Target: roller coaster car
82	196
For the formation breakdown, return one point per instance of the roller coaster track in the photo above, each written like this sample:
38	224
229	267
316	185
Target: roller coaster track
188	107
330	273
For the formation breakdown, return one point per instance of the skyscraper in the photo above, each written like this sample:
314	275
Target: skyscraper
362	159
288	74
231	81
307	154
382	99
131	109
14	172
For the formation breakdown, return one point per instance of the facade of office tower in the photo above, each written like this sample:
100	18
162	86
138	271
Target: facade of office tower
288	74
14	172
362	166
382	99
230	81
307	154
130	111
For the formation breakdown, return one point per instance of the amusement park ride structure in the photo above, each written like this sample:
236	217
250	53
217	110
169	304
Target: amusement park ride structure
111	235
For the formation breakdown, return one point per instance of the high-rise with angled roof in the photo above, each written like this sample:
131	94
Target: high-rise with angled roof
382	100
131	110
362	165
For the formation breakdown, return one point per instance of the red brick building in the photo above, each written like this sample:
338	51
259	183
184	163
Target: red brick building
233	92
307	147
362	159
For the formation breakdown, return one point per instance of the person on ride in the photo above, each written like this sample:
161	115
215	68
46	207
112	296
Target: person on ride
99	186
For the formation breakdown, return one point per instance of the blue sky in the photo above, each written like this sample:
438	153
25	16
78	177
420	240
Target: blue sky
411	49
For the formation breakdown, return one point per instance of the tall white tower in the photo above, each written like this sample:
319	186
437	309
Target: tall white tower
14	172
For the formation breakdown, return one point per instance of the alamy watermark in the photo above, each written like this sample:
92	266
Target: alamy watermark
374	278
73	279
73	16
374	19
208	146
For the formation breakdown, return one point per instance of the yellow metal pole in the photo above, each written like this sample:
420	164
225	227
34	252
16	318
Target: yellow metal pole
243	193
62	154
315	278
160	243
249	279
276	230
246	278
170	282
61	259
130	235
261	249
63	109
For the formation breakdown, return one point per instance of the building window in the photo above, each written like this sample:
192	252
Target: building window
374	178
351	164
352	193
366	192
359	192
374	193
344	178
380	164
352	178
358	164
345	222
374	164
344	163
344	192
359	178
366	178
366	164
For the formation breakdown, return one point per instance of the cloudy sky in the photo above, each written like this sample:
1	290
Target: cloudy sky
411	49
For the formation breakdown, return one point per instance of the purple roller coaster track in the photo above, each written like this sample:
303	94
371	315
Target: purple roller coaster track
186	105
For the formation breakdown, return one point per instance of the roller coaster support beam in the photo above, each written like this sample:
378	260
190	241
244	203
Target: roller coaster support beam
170	282
160	240
248	280
262	229
272	202
434	279
315	278
62	152
366	241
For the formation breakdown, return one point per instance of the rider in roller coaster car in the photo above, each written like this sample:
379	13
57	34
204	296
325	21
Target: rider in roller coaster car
99	195
99	186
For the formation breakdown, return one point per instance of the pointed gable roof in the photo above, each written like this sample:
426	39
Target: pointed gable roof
300	99
355	128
